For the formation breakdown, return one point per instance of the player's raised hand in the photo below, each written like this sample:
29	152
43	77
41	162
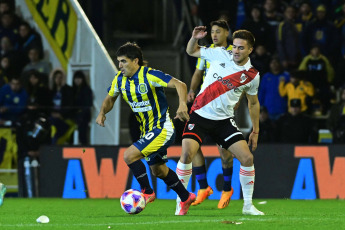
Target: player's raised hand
253	140
182	112
100	119
199	32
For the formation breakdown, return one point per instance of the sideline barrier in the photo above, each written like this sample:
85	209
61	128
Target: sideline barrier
282	171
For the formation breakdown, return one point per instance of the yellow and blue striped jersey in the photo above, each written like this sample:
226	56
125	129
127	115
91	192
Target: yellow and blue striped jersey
144	93
204	65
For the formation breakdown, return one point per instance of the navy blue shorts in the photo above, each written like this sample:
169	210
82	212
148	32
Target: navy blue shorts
154	145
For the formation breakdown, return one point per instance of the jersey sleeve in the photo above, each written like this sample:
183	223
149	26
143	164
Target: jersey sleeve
200	64
113	90
254	86
158	78
212	54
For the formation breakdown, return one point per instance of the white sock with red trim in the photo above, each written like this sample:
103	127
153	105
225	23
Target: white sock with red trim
184	172
247	178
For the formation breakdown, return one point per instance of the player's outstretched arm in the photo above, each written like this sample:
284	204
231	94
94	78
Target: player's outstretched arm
181	88
254	112
107	105
193	48
196	80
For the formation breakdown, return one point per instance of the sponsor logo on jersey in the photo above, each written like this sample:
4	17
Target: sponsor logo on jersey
224	82
137	104
222	65
141	106
142	88
191	126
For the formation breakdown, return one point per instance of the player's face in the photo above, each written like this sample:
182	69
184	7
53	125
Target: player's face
127	66
219	35
241	51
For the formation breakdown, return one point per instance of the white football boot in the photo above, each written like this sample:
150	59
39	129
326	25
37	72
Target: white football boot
178	206
251	210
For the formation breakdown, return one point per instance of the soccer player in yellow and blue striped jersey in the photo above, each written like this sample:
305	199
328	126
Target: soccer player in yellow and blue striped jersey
142	88
219	35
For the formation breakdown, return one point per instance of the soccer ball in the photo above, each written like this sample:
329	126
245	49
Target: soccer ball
132	201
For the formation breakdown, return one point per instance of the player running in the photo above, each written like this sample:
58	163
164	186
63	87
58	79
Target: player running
142	88
230	74
219	34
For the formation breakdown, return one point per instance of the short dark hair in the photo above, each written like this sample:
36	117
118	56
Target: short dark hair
132	51
245	35
221	23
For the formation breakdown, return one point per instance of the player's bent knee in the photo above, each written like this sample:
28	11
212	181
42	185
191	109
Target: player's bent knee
248	160
160	171
186	158
129	158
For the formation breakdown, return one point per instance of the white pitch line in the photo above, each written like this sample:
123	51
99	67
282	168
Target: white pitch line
115	224
249	218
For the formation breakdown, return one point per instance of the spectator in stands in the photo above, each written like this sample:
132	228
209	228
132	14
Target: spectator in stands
340	70
40	97
36	63
62	114
83	101
273	17
295	127
8	6
13	101
297	88
319	69
340	19
260	59
322	32
267	127
8	50
271	13
28	39
288	46
33	128
259	27
320	73
8	27
336	119
5	71
268	90
305	16
5	6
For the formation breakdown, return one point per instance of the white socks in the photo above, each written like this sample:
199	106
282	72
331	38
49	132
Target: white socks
247	178
184	172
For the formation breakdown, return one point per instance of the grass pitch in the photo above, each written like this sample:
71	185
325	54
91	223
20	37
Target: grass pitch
18	213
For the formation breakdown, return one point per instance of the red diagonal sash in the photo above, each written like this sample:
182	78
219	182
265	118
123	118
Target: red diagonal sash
221	86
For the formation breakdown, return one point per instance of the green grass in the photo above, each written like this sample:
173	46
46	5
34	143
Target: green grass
85	214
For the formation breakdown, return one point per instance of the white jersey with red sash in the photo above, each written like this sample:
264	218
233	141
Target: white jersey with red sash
223	85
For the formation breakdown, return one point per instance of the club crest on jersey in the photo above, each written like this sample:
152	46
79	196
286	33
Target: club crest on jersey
243	78
142	88
191	126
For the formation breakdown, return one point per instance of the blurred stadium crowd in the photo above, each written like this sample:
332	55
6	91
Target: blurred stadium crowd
300	53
